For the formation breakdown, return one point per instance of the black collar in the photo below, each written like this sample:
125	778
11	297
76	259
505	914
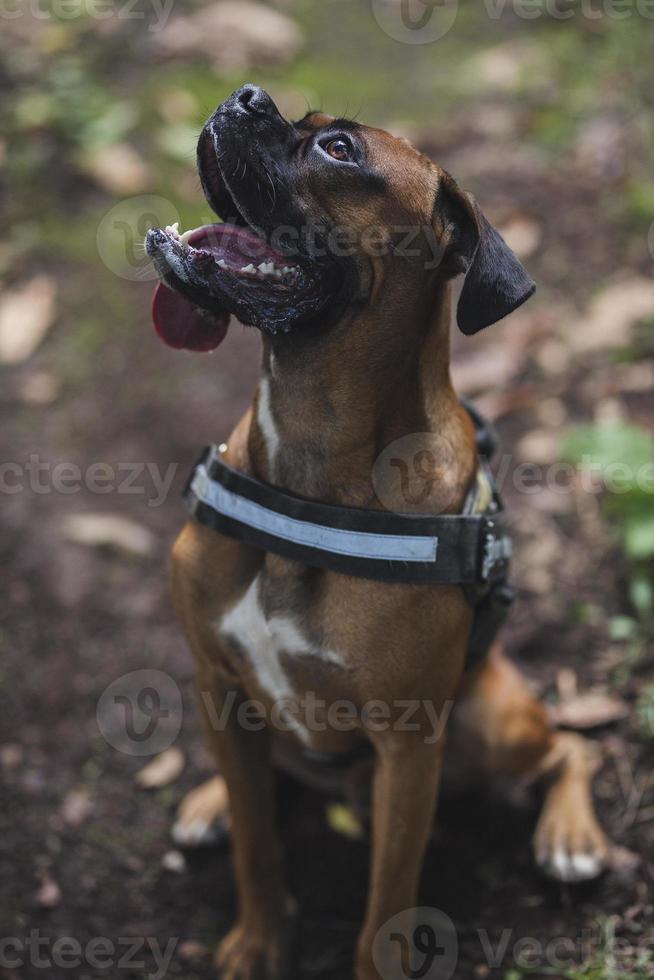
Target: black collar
469	548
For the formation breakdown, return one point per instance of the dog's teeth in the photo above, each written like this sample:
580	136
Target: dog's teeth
222	263
248	268
173	230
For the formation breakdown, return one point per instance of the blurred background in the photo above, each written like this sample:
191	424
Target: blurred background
545	112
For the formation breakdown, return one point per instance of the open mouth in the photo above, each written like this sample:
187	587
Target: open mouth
206	274
217	270
223	269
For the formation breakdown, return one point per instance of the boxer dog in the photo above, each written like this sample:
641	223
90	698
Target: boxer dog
341	247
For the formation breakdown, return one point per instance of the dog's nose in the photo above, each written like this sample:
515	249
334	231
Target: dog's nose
252	98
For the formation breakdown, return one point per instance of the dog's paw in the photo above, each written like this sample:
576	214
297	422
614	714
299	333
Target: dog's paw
247	954
203	815
571	847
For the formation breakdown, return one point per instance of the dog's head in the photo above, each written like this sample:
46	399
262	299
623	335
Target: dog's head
321	216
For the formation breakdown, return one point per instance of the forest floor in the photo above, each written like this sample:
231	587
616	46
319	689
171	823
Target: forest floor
87	852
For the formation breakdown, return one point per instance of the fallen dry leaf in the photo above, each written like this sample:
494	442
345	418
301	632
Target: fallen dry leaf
612	314
101	530
523	234
552	412
250	34
192	950
492	367
603	147
623	861
39	388
567	683
539	446
77	806
589	710
176	105
551	501
163	769
174	861
343	820
49	894
26	314
119	169
553	357
502	66
495	404
11	755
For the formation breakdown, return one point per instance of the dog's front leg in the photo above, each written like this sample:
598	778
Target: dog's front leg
407	775
258	947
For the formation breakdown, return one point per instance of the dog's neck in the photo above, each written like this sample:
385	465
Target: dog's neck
325	410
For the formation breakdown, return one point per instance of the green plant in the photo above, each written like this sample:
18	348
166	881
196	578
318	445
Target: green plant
622	455
645	710
603	965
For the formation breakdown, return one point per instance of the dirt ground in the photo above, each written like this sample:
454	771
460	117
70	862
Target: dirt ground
86	853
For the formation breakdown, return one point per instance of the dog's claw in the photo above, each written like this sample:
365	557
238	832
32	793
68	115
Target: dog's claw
573	867
571	852
203	815
251	954
200	833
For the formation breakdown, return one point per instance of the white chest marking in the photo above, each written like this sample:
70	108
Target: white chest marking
267	422
264	640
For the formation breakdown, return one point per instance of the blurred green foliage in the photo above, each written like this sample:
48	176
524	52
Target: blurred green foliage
621	456
611	961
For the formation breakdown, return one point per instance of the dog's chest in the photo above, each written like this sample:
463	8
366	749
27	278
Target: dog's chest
272	642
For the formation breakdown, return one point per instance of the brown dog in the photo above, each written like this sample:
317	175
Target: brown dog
355	356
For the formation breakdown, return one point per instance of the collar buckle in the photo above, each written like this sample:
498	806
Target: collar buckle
495	552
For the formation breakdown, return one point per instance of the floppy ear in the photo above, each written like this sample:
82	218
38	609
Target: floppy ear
496	283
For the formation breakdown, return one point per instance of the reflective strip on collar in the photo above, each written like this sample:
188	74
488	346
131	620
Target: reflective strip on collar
356	544
468	549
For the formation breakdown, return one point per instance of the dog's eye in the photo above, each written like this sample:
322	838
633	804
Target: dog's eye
339	149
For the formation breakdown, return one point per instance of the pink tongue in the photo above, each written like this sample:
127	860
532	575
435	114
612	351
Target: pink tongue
182	325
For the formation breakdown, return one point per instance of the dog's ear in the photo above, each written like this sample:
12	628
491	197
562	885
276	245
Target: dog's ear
496	283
